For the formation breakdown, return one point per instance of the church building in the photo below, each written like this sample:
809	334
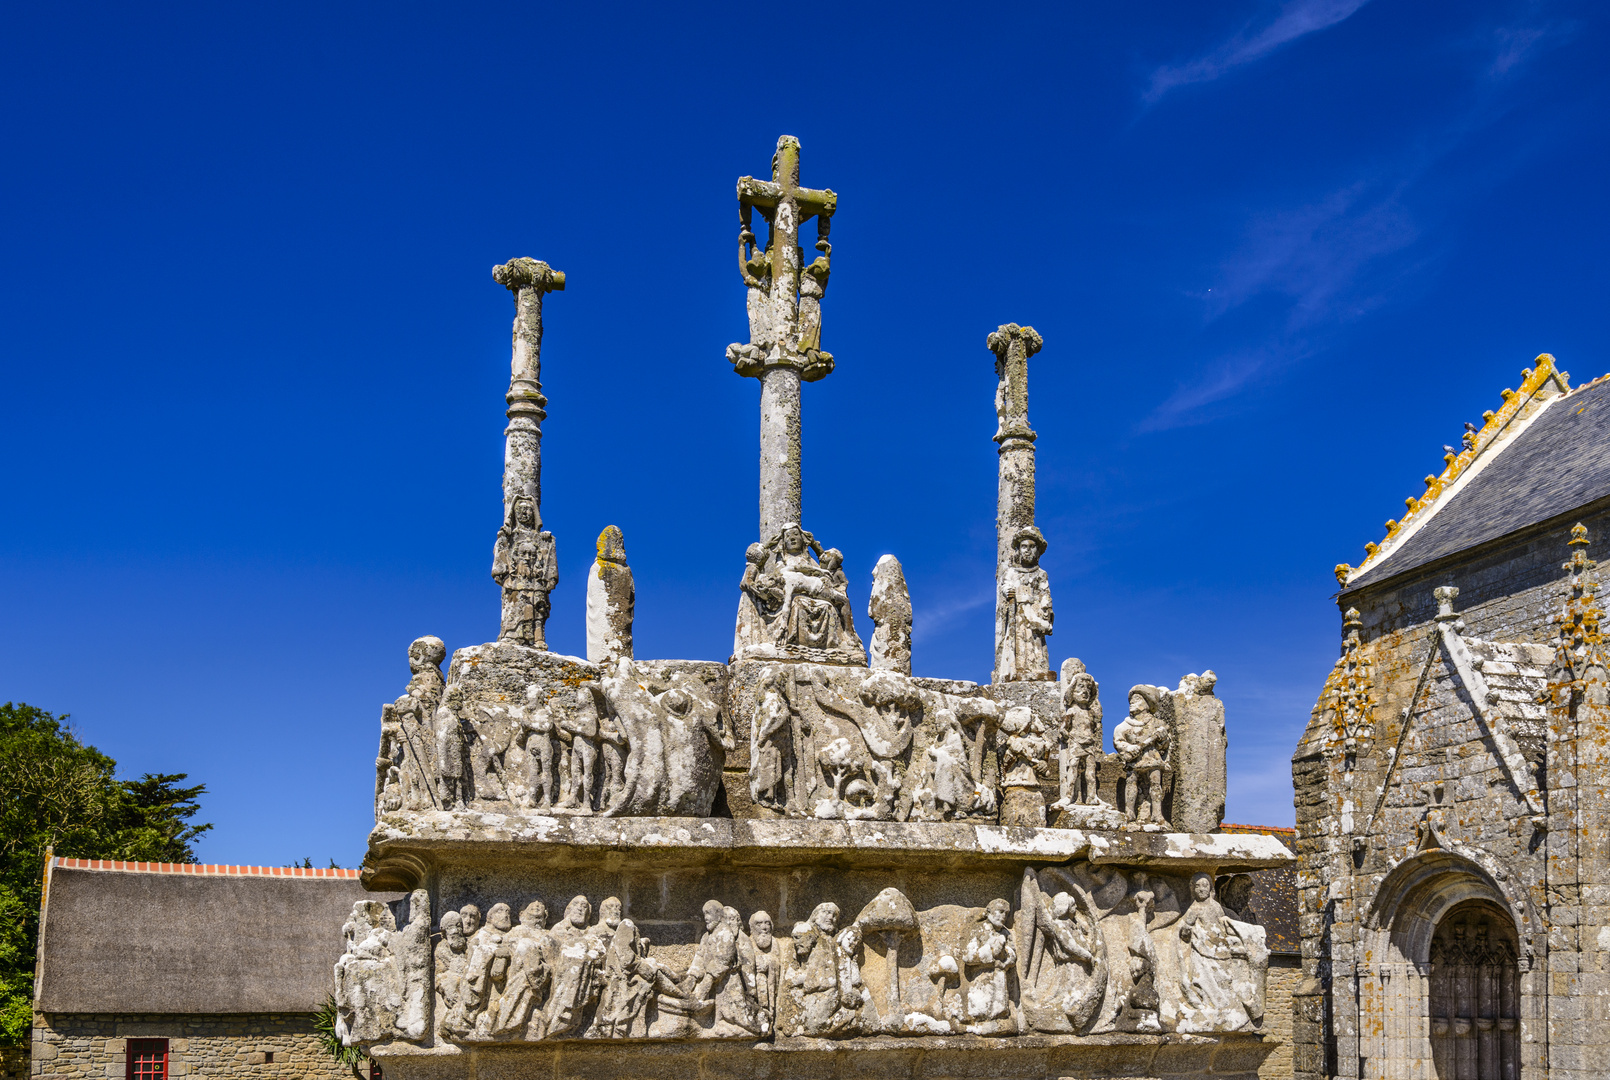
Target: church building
1452	814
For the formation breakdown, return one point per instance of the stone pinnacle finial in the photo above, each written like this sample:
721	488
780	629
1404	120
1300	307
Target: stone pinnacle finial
517	274
1445	595
1001	340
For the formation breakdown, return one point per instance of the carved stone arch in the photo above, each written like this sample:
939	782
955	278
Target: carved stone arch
1421	889
1395	974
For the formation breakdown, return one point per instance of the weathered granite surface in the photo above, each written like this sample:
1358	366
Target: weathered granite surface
805	860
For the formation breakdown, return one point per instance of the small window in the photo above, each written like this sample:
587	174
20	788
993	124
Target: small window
146	1059
268	1057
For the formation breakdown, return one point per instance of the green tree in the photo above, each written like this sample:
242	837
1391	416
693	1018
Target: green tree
60	793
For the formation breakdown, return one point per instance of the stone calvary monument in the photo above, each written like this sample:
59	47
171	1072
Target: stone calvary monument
803	861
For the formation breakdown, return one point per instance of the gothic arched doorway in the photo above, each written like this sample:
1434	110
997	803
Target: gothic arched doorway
1475	994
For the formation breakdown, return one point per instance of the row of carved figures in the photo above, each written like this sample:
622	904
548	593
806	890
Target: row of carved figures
1093	950
825	741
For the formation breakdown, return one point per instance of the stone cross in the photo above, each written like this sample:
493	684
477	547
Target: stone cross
779	362
1014	509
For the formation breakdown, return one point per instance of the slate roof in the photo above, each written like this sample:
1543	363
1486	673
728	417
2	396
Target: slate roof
124	937
1558	463
1274	894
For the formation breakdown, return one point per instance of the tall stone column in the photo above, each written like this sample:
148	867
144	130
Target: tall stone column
1022	596
778	353
524	563
529	280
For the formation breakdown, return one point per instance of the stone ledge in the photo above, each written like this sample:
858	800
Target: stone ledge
401	846
1029	1057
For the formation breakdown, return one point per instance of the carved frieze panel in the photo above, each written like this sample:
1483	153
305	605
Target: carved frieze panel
1076	949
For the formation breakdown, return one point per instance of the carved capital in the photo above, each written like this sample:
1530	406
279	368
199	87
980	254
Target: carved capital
517	274
1001	340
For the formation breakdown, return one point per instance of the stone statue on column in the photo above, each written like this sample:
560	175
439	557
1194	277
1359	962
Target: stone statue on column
523	560
1023	593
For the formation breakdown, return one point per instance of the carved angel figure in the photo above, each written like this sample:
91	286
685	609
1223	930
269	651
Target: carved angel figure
525	565
1065	977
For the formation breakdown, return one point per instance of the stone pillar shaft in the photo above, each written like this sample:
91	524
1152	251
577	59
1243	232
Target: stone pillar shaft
1014	502
529	280
779	449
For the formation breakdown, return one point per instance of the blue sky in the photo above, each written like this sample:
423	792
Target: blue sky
254	358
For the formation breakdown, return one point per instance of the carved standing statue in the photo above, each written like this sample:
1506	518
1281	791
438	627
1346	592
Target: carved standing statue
1079	739
1024	612
988	961
525	565
1142	742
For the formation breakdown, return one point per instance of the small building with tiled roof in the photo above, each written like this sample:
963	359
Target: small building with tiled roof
1453	782
152	970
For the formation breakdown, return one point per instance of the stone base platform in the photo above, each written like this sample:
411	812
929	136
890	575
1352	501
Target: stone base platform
1024	1057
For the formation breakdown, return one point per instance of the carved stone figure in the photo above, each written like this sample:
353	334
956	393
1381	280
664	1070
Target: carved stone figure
536	721
988	961
675	745
761	961
525	565
812	287
889	608
451	953
1024	751
1215	978
793	603
526	981
1079	739
1140	1005
754	266
1065	971
632	980
368	979
577	956
716	974
1199	755
485	971
580	731
382	981
405	768
611	598
491	732
1143	744
953	786
1024	612
450	749
823	1004
770	743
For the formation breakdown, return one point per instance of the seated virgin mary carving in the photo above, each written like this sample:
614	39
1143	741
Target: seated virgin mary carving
794	601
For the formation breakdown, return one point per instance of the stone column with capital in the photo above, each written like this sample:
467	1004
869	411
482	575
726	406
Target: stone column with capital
1022	596
523	559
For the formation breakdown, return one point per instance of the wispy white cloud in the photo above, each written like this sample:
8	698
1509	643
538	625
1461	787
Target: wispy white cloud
1514	45
1190	404
1317	254
930	618
1297	18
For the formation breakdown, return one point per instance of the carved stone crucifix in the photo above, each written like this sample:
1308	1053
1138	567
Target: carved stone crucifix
779	359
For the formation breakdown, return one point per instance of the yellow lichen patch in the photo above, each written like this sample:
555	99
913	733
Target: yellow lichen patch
1533	381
